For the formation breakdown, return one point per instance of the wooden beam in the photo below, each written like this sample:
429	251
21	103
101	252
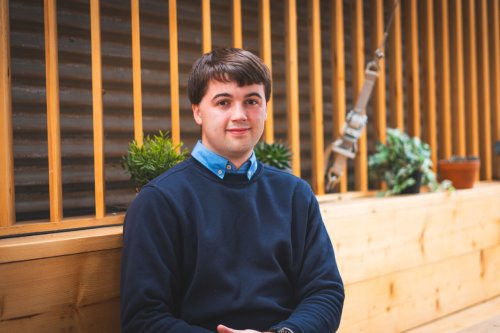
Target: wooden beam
484	98
443	78
266	55
379	96
7	190
237	34
174	73
316	93
429	86
206	27
95	34
338	76
412	66
358	49
471	84
292	83
495	78
395	57
53	116
457	78
136	71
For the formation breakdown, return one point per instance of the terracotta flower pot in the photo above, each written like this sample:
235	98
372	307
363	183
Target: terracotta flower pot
462	174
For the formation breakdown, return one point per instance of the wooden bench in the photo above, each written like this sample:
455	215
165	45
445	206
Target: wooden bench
410	263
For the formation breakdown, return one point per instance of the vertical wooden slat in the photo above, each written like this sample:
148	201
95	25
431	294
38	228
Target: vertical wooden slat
136	71
429	86
338	76
7	193
443	78
174	72
495	78
237	34
95	35
395	58
412	66
266	55
379	97
471	97
206	27
358	45
316	92
457	78
292	83
484	121
53	121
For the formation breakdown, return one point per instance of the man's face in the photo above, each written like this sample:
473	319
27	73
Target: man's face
231	119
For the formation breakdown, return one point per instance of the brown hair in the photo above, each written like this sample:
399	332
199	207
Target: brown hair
226	65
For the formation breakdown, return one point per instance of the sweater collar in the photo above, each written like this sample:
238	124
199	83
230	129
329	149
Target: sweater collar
219	165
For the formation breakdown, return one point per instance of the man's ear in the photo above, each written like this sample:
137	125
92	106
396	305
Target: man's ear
196	113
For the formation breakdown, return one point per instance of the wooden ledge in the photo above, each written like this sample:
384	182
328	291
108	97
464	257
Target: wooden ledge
60	244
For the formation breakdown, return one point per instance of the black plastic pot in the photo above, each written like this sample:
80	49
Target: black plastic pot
415	188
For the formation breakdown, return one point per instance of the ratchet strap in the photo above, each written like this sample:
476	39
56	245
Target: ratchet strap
346	146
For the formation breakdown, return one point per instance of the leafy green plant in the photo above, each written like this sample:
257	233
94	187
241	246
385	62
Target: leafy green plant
398	161
274	154
156	155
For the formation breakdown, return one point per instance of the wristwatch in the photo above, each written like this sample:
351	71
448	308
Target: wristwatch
281	330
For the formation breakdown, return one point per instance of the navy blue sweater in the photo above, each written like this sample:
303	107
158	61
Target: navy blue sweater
250	254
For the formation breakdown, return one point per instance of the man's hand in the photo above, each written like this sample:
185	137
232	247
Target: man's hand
224	329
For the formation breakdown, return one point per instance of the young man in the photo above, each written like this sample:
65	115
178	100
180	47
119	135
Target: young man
220	242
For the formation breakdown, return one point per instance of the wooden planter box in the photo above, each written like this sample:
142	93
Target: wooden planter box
405	260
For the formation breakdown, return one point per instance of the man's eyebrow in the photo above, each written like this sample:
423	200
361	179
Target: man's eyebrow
221	95
253	94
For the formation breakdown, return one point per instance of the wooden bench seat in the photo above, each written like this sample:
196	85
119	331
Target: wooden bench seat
481	318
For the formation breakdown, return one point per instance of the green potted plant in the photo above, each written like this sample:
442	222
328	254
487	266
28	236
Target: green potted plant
147	161
403	163
461	171
274	154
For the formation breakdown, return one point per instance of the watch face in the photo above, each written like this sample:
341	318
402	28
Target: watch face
285	330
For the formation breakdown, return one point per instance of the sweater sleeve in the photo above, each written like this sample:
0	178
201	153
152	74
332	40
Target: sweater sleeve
318	285
150	275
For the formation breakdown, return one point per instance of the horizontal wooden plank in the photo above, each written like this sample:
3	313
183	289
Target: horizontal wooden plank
406	299
59	244
73	293
466	320
378	236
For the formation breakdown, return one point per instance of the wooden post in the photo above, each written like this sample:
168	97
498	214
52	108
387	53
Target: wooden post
136	71
484	120
395	58
206	45
316	91
7	193
237	34
457	78
338	76
471	84
358	43
95	34
429	63
292	83
379	97
174	73
412	66
495	79
53	121
266	55
444	84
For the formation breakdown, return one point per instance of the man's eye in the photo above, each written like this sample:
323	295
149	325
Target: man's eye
223	103
252	102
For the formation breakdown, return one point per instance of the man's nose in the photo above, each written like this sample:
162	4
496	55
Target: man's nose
238	112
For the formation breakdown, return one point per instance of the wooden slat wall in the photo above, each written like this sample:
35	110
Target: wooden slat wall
7	196
140	67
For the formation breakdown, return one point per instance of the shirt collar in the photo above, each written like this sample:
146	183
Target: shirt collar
220	165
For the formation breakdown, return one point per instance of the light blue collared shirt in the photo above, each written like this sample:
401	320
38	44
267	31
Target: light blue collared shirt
220	165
